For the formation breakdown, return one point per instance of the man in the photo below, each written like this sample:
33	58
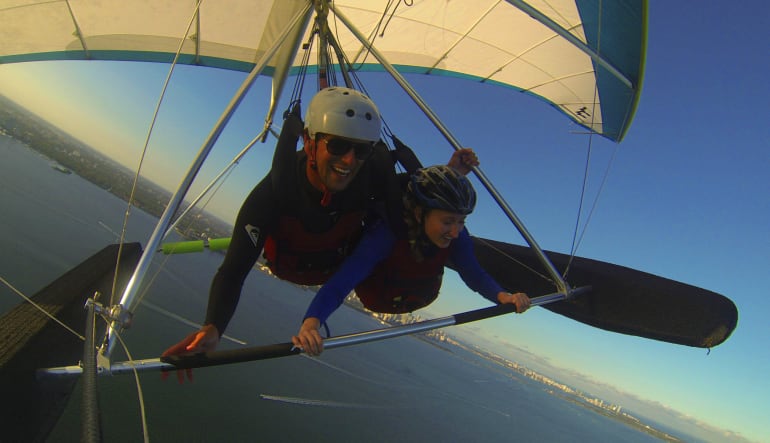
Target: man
307	212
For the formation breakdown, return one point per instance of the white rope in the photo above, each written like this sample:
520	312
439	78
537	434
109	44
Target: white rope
142	411
512	259
40	308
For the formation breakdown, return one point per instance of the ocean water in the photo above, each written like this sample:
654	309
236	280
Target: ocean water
402	389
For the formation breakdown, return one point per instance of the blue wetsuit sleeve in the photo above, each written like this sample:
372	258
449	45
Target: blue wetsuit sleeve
464	259
375	245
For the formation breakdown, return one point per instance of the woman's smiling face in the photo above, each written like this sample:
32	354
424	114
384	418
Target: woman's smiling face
441	226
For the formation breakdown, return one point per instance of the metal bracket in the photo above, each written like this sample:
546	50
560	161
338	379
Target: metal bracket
115	313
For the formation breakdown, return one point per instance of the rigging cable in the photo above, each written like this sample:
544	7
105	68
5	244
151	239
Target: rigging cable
379	30
514	260
299	84
40	308
596	200
576	240
146	145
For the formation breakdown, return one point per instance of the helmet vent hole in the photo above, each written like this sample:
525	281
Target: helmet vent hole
368	116
350	113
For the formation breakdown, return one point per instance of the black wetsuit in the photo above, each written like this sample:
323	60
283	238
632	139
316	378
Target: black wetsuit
286	194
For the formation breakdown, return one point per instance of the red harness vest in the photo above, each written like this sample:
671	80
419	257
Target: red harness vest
310	258
400	284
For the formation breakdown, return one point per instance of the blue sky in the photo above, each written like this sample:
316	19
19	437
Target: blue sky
687	196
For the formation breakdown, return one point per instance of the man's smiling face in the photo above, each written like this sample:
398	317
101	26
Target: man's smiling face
334	172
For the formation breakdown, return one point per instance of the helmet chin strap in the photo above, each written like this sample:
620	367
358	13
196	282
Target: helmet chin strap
326	198
419	216
311	151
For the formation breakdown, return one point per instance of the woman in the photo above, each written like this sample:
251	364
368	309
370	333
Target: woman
399	269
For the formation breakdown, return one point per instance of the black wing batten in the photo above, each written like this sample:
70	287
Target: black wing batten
622	300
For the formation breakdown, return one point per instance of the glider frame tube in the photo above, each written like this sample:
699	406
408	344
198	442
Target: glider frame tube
217	358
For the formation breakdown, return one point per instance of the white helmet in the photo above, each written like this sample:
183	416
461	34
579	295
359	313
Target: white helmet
343	112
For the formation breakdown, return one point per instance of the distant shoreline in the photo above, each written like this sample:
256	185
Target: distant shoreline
71	154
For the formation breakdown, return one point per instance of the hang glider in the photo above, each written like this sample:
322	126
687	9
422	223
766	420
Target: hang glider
584	58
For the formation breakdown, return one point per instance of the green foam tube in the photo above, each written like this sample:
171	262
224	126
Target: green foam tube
219	244
182	247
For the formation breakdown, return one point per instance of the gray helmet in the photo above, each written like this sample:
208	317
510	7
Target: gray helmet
343	112
441	187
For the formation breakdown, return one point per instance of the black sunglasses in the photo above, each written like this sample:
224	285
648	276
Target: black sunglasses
340	147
